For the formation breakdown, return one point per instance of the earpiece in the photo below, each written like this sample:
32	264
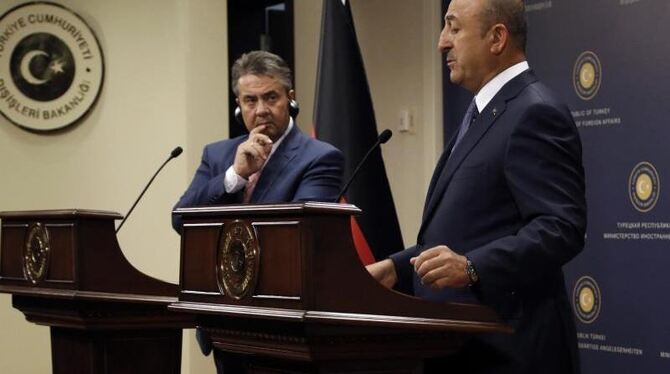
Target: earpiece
293	108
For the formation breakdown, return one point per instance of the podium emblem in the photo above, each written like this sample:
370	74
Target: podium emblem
36	253
238	258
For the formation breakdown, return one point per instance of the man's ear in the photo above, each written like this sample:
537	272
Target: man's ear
291	94
499	37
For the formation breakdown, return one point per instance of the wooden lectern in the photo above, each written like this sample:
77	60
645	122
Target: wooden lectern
65	270
282	287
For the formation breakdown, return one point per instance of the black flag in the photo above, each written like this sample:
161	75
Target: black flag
344	117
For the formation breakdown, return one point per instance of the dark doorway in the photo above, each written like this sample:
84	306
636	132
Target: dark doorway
258	24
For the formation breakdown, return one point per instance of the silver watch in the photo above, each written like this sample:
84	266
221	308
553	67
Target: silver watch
472	273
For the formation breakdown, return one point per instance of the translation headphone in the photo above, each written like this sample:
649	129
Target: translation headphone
293	111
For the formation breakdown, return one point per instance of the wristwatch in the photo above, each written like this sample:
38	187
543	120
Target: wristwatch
471	272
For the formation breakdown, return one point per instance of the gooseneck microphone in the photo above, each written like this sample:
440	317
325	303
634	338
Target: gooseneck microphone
174	154
381	139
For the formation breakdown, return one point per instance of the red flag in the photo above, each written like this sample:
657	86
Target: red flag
344	117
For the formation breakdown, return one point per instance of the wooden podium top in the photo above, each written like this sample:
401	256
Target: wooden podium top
306	208
297	262
72	254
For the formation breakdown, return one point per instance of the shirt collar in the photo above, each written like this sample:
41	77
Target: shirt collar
490	89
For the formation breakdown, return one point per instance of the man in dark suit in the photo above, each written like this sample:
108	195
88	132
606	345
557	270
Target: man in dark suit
275	163
506	207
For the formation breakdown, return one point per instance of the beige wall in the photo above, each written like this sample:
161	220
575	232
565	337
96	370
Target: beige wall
166	85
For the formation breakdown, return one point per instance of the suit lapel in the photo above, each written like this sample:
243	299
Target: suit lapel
494	110
477	130
438	174
286	151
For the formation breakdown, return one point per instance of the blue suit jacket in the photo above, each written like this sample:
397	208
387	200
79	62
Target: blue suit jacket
300	169
511	198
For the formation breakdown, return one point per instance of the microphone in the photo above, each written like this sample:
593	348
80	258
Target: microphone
174	154
381	139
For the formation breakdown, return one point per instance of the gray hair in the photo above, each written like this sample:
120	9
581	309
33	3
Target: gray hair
261	63
512	14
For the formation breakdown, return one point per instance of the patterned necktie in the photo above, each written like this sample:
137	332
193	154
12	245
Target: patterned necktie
469	118
249	187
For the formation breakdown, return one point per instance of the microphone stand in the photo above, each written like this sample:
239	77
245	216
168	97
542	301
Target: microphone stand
174	154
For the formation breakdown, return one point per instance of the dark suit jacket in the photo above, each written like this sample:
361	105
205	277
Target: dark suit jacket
301	169
511	198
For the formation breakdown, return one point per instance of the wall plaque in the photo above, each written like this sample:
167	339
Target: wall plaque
51	67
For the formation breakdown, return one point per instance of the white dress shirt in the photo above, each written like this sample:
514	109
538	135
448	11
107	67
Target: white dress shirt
490	89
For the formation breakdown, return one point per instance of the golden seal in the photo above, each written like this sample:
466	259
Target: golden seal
36	253
586	299
238	259
587	75
644	186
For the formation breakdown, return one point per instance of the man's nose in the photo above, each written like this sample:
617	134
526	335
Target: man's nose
262	108
444	43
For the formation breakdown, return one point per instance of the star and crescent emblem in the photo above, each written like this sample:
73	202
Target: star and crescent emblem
587	75
587	299
644	186
55	66
51	67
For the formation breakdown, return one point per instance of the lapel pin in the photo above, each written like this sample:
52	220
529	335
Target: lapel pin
495	111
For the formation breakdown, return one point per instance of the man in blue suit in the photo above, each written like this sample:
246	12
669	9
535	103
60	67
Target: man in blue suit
505	209
275	163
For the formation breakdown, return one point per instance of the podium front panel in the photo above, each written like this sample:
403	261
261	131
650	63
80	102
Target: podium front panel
55	254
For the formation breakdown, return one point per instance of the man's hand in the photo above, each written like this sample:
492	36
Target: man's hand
440	267
252	154
383	272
